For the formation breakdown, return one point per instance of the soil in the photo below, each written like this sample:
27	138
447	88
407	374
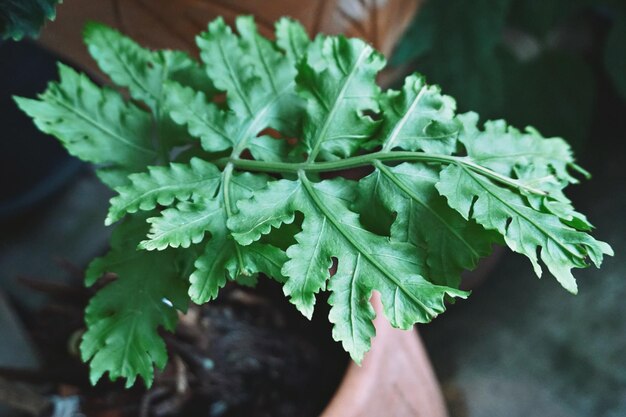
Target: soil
250	353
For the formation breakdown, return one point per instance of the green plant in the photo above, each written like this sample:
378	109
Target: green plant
212	190
546	54
19	18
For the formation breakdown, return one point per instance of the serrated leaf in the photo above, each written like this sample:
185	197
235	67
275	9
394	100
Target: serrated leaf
541	163
223	258
365	261
292	38
339	90
442	190
94	124
257	76
141	70
419	118
503	148
123	318
145	72
525	230
164	185
203	118
259	79
424	219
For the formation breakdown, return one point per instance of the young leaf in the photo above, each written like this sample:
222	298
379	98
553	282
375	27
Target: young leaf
525	230
223	258
258	78
503	148
123	318
94	124
424	219
142	71
366	261
292	38
164	185
440	192
418	118
145	73
339	90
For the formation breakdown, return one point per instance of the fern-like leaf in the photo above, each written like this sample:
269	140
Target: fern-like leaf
366	261
236	185
124	317
94	124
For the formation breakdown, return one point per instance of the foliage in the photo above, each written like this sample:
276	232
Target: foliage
19	18
487	51
212	190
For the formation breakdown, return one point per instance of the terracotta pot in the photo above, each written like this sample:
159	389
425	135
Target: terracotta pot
396	378
175	23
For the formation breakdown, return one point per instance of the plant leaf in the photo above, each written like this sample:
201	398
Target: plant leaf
249	196
123	318
223	258
424	219
164	185
339	90
419	118
366	261
19	18
141	70
525	230
94	124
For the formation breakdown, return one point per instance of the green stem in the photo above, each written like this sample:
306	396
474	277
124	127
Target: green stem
228	207
368	159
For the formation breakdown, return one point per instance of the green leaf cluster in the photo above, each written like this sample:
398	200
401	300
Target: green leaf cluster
223	172
19	18
487	51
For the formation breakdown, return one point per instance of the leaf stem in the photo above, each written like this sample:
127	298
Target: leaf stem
228	207
368	159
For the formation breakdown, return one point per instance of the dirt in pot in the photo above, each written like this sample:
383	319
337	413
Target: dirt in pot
249	353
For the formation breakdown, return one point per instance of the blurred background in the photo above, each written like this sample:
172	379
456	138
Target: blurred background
519	346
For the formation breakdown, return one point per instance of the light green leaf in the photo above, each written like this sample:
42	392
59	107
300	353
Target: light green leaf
94	124
259	79
223	258
251	196
419	118
203	118
366	261
424	219
164	185
540	163
525	230
502	148
339	91
292	38
123	318
141	70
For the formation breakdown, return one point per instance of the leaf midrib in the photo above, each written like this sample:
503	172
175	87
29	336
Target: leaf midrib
397	129
102	128
520	214
337	224
396	181
338	99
